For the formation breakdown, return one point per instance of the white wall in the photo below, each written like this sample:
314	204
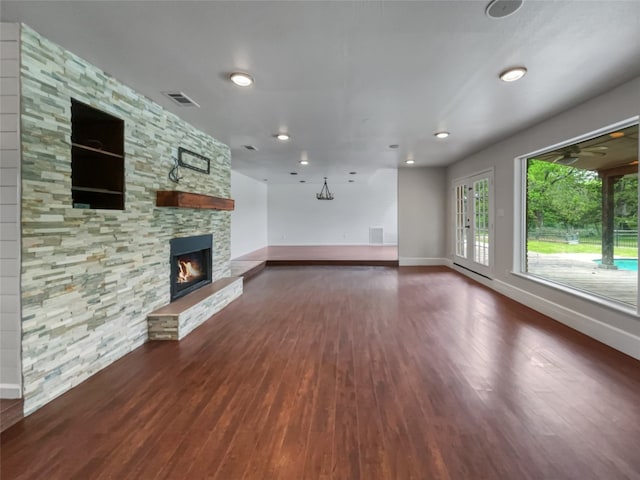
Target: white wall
421	215
616	328
10	352
296	217
249	218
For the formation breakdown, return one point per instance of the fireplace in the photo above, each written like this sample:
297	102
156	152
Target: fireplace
190	264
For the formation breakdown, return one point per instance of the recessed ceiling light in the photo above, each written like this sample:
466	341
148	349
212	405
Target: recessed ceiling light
241	79
394	145
616	134
502	8
304	162
352	173
283	137
441	134
303	181
293	173
251	147
351	181
409	161
513	74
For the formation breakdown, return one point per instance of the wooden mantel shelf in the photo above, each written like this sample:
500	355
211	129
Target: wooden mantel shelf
174	198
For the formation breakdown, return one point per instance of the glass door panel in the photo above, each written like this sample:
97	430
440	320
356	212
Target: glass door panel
473	223
461	221
481	221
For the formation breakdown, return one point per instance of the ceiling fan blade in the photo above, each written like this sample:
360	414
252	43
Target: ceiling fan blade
595	148
555	158
549	155
588	153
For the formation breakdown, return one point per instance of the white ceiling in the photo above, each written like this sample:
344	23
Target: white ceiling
347	79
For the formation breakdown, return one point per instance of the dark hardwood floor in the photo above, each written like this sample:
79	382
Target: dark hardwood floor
349	373
10	412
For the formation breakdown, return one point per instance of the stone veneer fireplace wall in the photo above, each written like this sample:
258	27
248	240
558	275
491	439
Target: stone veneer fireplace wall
90	277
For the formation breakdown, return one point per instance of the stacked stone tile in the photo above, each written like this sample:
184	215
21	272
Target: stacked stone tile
90	277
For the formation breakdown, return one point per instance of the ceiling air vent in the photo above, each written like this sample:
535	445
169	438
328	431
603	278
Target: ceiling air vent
251	147
181	99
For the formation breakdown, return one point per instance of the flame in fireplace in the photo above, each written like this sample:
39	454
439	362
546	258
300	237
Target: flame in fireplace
188	271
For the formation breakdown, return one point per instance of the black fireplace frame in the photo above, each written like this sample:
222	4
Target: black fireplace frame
182	246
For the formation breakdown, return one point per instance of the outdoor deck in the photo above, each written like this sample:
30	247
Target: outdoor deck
579	271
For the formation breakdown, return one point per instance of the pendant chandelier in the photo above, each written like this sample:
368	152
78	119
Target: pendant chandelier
324	194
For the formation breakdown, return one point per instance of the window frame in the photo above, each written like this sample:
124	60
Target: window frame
520	222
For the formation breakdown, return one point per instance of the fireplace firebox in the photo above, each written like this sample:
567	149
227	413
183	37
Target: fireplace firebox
190	264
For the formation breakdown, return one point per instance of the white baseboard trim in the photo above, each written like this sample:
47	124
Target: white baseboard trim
416	261
10	391
603	332
471	274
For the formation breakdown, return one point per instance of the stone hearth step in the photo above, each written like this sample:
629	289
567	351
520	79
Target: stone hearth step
247	268
179	318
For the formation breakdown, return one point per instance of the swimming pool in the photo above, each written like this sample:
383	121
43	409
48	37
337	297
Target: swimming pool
623	263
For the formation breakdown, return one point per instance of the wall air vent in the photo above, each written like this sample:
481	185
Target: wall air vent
181	99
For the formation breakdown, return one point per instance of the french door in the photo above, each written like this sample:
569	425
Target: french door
473	236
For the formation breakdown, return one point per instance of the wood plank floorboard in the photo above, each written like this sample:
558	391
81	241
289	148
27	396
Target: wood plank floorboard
10	412
348	373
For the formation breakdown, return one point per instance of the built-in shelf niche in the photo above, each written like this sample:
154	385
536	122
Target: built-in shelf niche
97	158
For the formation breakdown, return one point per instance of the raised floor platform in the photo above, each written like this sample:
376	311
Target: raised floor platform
253	263
179	318
373	255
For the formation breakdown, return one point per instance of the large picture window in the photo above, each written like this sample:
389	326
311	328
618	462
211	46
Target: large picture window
582	216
